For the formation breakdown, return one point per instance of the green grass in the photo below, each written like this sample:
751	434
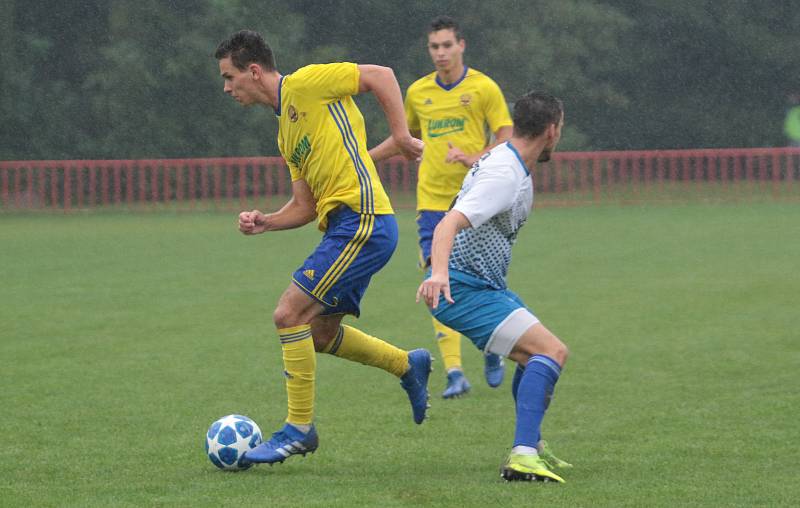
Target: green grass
122	337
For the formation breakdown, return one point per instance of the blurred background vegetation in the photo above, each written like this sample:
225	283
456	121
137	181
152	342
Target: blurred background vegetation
94	79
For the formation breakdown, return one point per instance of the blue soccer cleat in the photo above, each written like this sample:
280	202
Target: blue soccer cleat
286	442
494	369
415	382
457	385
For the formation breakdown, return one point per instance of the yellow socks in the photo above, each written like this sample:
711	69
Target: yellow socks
300	364
449	345
355	345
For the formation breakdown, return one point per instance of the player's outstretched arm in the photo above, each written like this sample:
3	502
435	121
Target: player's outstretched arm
384	150
439	281
383	84
454	154
387	148
298	211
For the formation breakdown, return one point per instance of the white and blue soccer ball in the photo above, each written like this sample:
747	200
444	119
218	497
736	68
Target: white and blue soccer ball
229	438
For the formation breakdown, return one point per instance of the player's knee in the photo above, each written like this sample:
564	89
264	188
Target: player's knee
560	352
540	342
285	316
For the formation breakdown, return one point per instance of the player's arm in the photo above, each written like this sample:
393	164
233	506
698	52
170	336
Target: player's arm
454	154
298	211
383	85
439	281
388	148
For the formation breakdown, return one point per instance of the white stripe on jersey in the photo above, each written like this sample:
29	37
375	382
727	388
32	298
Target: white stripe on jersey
496	197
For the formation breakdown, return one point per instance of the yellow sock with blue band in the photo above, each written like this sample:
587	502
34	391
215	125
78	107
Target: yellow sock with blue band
354	345
300	364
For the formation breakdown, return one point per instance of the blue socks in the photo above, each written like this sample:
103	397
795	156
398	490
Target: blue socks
532	388
515	382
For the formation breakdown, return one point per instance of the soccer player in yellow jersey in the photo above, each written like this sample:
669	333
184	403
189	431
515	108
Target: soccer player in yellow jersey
322	137
451	109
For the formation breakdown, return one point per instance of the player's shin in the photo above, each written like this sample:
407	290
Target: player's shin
300	363
449	342
515	382
535	390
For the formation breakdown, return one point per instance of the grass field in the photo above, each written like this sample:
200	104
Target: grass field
123	337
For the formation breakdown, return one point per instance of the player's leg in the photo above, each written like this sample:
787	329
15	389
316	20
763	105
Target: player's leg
542	446
366	244
292	318
542	355
411	367
352	344
449	342
343	341
497	321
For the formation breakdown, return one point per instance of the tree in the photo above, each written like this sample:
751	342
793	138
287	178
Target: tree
137	78
706	73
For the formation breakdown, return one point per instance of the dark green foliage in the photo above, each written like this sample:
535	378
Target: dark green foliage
134	79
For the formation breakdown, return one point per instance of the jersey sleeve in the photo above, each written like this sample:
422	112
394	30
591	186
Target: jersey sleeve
496	108
294	171
492	191
328	81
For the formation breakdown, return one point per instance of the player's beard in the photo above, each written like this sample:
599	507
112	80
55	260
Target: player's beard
545	155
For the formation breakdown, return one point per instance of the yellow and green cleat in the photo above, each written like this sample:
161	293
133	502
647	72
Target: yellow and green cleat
530	468
551	460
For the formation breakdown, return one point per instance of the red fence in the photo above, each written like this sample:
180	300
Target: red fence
241	183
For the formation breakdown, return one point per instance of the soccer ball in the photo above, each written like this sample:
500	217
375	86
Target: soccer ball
229	438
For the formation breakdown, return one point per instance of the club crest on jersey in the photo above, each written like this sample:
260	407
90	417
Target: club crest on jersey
293	116
466	99
309	274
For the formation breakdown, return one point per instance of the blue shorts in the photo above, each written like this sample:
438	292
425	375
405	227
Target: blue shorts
352	250
478	309
426	223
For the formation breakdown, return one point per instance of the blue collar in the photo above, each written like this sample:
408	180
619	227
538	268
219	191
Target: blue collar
280	85
453	84
527	173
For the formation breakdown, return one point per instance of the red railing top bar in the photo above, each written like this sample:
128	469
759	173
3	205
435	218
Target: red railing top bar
273	160
693	152
37	164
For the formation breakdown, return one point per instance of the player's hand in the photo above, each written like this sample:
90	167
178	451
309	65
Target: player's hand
252	223
431	288
410	147
454	154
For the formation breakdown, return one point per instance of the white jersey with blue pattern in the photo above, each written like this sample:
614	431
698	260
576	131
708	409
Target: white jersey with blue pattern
496	197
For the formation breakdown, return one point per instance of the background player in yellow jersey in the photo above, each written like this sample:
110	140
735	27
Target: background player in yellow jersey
322	137
451	109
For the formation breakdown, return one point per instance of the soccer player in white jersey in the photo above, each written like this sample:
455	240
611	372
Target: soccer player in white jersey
466	287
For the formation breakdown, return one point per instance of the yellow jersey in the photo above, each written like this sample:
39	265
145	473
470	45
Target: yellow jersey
321	135
457	113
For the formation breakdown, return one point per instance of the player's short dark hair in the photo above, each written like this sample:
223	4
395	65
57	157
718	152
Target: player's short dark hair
246	47
534	111
445	23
